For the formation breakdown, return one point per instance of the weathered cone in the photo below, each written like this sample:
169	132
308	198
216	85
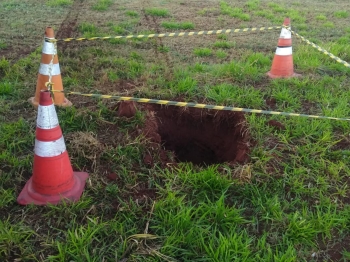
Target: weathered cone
53	178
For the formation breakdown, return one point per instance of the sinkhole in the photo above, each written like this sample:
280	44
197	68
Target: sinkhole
200	136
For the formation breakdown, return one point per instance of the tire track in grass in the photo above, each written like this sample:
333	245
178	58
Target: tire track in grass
159	42
68	27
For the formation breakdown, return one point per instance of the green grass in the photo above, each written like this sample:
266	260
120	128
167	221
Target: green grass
321	17
123	28
2	45
276	7
102	5
233	12
223	44
177	26
288	202
4	65
88	29
164	49
341	14
59	2
157	12
221	54
329	24
253	4
5	88
206	11
132	13
202	51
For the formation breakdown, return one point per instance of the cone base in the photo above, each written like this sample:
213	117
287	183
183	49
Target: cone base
66	102
29	196
278	76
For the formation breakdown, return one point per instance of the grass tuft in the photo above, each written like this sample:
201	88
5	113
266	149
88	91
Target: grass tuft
202	52
321	17
2	45
221	54
253	4
223	44
6	88
176	25
132	13
59	2
157	12
102	5
233	12
328	24
88	29
341	14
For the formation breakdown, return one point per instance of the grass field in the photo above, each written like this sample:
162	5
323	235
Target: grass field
289	201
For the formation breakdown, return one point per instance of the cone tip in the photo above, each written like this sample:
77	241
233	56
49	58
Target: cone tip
286	21
49	32
45	98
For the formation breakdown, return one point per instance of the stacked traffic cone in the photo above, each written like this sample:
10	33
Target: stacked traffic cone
282	64
53	178
43	76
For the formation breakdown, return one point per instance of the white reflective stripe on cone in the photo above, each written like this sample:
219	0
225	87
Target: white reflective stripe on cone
284	50
47	117
285	34
48	48
44	69
49	149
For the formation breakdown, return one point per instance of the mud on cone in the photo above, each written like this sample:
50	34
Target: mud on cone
53	178
43	75
282	64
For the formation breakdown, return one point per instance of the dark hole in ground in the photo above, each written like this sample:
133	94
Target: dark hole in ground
203	137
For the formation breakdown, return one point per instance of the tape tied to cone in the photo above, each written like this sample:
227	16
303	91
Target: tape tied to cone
49	71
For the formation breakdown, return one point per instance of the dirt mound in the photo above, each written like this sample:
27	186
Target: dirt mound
126	109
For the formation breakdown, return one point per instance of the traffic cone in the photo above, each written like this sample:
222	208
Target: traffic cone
282	64
43	75
53	178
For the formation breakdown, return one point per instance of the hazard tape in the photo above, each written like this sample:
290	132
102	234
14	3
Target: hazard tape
210	32
196	105
339	60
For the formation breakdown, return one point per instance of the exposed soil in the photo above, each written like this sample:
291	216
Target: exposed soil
346	199
308	106
152	23
199	136
126	109
112	176
68	27
15	52
277	125
143	194
119	87
271	103
335	251
343	144
156	153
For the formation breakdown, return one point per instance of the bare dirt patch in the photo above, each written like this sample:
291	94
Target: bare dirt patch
276	124
126	109
271	103
343	144
335	251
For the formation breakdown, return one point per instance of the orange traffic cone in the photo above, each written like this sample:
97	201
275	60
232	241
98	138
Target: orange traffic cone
44	70
53	178
282	64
